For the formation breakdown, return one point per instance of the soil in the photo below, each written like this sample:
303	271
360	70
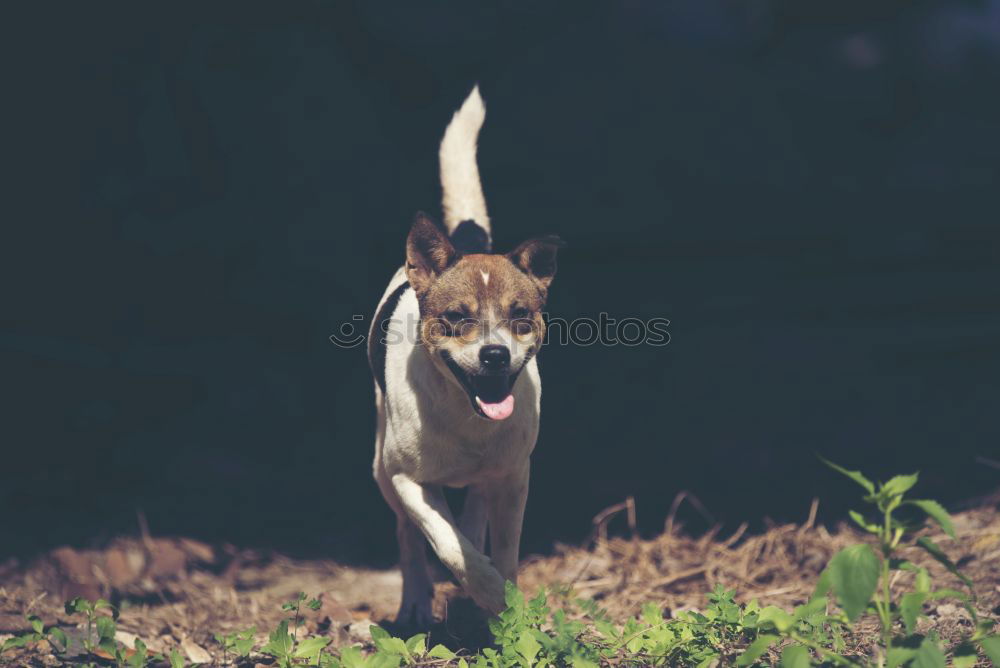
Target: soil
177	592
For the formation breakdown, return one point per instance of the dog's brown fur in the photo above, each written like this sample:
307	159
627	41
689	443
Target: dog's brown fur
458	294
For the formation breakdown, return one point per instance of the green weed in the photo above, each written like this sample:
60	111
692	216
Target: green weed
529	633
859	579
239	644
57	639
106	646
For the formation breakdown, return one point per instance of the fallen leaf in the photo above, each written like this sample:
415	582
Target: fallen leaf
195	654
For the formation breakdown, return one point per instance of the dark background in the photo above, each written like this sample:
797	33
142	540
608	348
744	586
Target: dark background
201	195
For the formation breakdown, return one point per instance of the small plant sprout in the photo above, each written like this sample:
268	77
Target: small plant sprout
240	644
286	648
296	606
392	651
288	652
859	585
55	636
106	646
91	611
860	577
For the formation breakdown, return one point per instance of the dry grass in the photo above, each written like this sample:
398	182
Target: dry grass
778	567
177	593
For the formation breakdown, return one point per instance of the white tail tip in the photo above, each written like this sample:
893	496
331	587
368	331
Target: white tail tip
462	191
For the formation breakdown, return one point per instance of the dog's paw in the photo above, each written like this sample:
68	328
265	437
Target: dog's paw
415	615
486	586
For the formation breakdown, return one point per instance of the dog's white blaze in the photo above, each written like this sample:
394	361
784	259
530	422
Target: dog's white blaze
486	277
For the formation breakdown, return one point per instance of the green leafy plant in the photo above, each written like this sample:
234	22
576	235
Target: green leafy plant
860	576
285	647
106	627
810	630
95	620
553	628
517	630
280	644
392	651
296	607
692	638
287	651
239	644
57	639
176	659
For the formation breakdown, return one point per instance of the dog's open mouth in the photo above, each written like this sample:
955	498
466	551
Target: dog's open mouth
490	394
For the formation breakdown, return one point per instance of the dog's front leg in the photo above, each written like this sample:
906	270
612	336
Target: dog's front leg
429	510
507	498
472	521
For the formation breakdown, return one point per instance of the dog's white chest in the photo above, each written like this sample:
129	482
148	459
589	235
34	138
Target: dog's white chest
431	431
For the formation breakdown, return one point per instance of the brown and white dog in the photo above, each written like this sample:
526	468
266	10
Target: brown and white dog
457	390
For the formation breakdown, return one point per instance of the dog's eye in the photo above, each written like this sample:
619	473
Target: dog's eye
453	316
518	313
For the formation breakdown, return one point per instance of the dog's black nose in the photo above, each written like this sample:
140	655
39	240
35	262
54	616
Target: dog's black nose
495	357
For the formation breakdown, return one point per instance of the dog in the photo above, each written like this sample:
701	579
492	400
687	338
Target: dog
453	350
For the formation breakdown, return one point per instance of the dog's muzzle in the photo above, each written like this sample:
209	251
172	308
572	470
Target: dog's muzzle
489	391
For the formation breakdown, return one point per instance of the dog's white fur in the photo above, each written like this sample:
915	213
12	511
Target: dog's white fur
427	436
462	191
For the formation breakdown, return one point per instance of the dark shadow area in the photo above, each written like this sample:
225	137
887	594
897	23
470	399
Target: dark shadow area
203	194
464	627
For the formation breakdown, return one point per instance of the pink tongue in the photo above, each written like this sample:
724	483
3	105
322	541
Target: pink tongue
498	411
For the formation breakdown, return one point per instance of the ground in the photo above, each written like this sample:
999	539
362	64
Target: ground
177	593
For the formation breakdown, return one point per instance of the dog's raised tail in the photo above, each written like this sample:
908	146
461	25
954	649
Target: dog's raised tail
461	191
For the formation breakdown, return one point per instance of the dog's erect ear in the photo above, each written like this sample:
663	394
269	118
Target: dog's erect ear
537	258
428	253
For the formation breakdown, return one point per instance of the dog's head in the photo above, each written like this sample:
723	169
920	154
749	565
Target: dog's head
480	314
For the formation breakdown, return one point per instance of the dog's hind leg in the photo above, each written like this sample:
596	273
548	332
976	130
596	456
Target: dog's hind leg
472	521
